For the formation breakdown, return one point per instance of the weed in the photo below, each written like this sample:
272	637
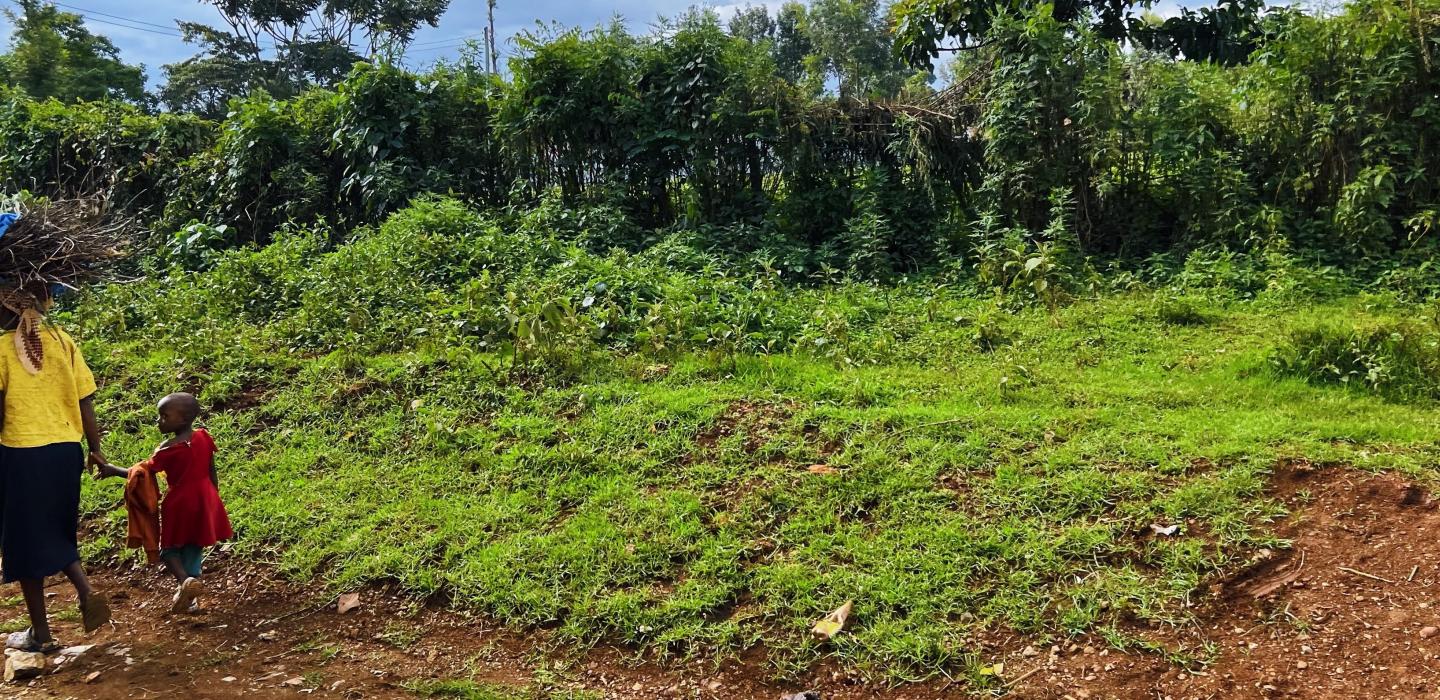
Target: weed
1396	359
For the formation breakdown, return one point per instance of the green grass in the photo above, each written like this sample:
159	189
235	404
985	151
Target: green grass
640	475
468	690
974	489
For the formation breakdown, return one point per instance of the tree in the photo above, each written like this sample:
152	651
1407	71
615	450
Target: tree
792	41
308	42
852	41
1227	33
921	26
52	54
753	24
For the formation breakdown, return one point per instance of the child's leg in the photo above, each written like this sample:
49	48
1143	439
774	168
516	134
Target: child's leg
34	590
191	558
174	563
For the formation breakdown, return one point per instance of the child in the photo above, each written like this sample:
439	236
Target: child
191	516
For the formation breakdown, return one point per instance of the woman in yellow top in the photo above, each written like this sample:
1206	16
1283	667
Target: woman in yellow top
47	408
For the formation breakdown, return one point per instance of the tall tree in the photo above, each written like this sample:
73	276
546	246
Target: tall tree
792	41
852	40
282	46
52	54
1227	33
753	24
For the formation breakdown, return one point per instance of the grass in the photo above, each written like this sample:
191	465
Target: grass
469	690
973	489
993	465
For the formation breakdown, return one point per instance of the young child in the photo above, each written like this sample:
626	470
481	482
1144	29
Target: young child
192	517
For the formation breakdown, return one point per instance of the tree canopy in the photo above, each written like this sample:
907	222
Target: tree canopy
52	54
283	46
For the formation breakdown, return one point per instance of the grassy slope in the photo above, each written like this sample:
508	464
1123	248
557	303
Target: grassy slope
670	506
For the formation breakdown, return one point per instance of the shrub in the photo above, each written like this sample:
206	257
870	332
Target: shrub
1397	360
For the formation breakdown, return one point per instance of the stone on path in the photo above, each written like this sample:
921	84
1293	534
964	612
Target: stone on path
23	665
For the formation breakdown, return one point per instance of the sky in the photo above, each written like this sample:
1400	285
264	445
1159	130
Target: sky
145	33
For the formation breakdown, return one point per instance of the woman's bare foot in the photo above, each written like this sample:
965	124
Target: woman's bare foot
185	595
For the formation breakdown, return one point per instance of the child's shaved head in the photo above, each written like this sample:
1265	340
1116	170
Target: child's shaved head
185	405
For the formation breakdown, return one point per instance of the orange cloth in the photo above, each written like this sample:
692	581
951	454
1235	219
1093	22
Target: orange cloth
142	510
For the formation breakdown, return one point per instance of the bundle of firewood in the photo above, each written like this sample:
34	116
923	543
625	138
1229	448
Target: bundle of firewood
62	243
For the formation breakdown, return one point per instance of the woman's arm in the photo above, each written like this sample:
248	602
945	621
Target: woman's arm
92	431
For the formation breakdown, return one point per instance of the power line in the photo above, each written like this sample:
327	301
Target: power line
462	39
171	33
104	14
438	48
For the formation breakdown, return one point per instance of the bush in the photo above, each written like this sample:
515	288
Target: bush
1397	360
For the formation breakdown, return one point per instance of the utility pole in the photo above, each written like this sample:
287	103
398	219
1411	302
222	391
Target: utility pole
490	53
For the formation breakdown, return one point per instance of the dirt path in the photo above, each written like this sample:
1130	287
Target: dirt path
1344	613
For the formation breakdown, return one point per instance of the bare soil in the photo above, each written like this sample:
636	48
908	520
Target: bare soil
1349	610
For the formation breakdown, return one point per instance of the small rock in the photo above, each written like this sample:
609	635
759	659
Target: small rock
75	651
295	682
228	679
638	687
347	602
267	636
1429	632
713	685
806	695
94	676
1301	665
24	665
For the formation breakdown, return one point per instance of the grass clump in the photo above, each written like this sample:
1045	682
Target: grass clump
1183	310
471	690
1395	358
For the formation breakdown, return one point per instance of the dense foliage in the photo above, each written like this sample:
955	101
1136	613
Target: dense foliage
1054	148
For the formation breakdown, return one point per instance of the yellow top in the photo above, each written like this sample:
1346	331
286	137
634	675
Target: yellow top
43	409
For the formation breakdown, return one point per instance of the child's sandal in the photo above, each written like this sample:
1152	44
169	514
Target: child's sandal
185	595
94	612
25	641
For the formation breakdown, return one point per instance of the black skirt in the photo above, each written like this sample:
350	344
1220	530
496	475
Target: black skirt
39	509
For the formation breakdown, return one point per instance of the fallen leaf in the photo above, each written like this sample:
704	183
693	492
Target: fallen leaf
1164	530
995	670
416	404
347	602
834	622
822	469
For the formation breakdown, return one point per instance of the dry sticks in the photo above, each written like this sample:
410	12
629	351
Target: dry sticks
62	242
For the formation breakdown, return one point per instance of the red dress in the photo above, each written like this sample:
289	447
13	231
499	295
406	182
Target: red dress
192	513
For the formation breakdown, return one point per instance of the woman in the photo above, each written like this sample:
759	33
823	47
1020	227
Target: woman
47	408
